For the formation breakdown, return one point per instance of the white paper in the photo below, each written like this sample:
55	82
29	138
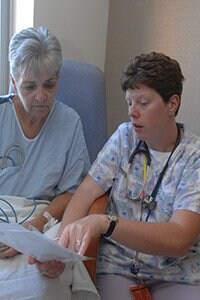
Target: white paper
35	244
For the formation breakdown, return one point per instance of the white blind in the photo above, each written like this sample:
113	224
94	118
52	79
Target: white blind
4	42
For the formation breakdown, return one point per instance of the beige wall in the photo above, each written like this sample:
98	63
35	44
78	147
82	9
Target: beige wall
108	32
170	26
80	25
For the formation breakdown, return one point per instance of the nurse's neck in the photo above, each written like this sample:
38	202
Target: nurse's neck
165	142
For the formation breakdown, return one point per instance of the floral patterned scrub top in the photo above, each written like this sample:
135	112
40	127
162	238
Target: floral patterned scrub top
179	189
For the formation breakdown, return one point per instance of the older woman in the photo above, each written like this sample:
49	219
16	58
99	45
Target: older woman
43	157
150	234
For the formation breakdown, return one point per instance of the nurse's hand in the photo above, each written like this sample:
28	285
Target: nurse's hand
78	234
51	269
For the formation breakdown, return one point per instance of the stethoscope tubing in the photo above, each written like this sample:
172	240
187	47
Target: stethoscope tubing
147	202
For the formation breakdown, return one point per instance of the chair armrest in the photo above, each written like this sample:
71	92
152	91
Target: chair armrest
98	207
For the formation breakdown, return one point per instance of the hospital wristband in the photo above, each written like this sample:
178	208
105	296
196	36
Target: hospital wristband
51	221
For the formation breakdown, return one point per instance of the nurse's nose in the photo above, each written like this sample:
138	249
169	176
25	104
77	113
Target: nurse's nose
133	110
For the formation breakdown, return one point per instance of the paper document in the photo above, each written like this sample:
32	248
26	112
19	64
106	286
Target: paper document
35	244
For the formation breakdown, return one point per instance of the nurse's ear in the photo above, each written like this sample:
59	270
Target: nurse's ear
173	104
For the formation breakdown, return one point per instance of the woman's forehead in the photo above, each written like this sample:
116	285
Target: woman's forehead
38	70
40	74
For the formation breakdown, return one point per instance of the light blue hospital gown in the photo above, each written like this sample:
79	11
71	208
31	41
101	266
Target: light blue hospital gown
180	189
53	162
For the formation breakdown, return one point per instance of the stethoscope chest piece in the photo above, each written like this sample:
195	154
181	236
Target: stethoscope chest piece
149	203
135	266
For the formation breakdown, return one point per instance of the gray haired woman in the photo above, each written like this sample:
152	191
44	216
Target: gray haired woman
43	158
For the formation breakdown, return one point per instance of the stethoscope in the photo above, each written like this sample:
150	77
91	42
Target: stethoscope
148	202
141	148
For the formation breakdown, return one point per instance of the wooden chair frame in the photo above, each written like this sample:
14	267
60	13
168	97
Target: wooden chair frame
98	207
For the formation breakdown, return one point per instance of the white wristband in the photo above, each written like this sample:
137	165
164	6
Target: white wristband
51	221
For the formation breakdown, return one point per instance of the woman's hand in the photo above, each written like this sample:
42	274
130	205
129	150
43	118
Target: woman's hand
78	234
51	269
8	252
75	236
37	223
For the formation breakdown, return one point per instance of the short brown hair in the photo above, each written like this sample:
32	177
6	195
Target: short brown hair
154	70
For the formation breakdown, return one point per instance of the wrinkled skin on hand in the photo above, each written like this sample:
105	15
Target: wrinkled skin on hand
51	269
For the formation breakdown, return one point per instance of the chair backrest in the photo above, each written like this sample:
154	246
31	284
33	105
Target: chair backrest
82	86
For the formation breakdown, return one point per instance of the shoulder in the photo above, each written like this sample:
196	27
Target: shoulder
125	129
126	135
65	116
6	106
122	141
65	120
6	111
65	110
188	152
191	142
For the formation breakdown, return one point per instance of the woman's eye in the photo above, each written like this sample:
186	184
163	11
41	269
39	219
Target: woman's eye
29	87
50	86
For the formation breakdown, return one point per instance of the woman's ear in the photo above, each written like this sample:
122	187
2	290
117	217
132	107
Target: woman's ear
174	104
13	84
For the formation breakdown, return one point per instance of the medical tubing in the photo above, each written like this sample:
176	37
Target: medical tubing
14	212
12	208
5	215
31	213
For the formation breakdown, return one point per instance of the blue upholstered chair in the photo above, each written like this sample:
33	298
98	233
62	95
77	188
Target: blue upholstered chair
82	87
